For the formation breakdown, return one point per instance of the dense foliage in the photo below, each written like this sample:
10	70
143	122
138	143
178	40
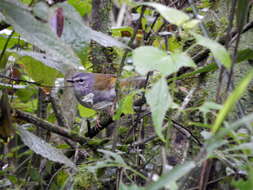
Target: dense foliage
189	127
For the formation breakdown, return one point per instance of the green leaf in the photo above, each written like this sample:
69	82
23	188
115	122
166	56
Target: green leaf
11	43
231	101
46	59
28	2
172	15
180	60
125	106
82	6
245	184
191	24
208	106
86	112
4	59
39	33
26	94
172	176
242	12
159	100
44	149
122	31
208	68
79	35
244	55
218	51
217	140
148	58
131	187
39	72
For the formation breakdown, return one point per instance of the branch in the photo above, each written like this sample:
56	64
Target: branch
30	118
106	121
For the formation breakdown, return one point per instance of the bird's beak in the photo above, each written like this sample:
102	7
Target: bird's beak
70	80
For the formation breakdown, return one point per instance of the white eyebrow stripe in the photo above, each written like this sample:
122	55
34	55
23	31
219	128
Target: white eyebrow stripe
80	78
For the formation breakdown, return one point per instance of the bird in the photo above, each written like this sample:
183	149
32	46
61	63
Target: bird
97	90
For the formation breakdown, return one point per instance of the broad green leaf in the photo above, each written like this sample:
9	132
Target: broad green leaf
172	15
181	60
13	41
77	34
39	33
82	6
191	24
125	106
106	40
148	58
231	101
39	72
39	146
159	100
46	59
218	51
86	112
172	176
244	55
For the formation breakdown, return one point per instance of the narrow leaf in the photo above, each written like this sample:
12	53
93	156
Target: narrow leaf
159	100
39	146
172	15
242	12
231	101
218	51
172	176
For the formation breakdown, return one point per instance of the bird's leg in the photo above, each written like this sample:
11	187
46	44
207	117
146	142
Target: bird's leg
98	125
111	110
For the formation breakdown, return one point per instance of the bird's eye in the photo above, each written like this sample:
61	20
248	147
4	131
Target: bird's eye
81	81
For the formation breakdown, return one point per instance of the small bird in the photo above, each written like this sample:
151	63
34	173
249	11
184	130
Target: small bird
97	90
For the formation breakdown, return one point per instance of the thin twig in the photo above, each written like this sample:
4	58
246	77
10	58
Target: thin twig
117	88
